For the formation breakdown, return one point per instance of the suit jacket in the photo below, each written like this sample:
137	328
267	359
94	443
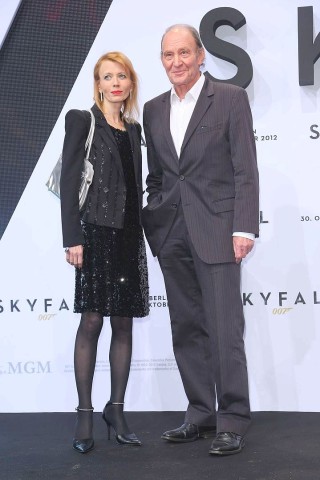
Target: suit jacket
105	204
215	178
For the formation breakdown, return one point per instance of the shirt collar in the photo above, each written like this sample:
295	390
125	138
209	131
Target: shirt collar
193	93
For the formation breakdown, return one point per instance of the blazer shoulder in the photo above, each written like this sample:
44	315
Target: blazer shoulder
224	87
79	116
226	92
160	98
77	123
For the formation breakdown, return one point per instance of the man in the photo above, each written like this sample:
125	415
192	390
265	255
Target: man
201	221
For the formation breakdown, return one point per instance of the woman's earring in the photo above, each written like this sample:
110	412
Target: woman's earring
101	96
130	94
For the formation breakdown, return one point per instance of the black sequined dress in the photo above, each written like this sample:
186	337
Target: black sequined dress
114	280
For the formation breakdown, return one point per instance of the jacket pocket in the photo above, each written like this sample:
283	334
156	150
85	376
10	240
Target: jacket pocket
209	128
225	205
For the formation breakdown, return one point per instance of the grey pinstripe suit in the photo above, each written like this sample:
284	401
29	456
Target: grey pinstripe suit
195	203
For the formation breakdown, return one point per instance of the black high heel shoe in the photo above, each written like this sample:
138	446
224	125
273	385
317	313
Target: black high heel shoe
122	438
86	444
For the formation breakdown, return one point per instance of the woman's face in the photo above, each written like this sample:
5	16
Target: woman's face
114	82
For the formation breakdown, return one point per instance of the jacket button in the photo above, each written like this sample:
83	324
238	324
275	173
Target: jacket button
181	177
174	205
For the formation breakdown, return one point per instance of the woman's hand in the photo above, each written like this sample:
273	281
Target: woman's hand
74	256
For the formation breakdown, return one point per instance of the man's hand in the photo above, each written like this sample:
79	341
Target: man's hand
74	256
242	246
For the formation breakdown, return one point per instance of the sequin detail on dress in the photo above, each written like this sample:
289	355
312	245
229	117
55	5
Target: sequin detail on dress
114	276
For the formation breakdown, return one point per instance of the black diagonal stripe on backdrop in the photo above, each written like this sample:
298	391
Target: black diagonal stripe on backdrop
39	61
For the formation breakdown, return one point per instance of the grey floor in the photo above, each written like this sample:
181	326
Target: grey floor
279	446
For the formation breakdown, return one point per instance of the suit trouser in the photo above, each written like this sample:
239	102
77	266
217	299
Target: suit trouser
207	324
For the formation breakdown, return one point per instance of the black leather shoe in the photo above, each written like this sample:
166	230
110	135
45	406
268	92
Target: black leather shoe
86	444
188	432
83	446
113	414
226	443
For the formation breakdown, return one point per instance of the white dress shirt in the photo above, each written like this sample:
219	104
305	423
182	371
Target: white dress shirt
180	115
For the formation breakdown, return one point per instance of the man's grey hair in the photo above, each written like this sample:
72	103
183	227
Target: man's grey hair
190	29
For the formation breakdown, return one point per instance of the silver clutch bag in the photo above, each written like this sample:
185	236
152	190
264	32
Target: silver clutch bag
53	182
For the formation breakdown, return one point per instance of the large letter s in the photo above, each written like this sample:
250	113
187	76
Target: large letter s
226	51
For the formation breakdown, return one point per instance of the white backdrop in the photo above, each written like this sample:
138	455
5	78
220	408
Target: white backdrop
281	285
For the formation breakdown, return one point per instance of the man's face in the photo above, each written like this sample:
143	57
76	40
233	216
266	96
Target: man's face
181	58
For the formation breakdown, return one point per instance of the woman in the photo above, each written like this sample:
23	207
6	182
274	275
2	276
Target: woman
105	241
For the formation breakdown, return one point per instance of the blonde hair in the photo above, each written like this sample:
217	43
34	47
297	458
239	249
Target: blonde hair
130	109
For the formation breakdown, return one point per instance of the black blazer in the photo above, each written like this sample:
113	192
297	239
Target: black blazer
106	199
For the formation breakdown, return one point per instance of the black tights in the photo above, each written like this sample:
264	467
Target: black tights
85	354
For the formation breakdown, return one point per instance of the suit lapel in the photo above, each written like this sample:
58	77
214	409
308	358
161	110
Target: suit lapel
108	137
132	130
165	123
203	103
